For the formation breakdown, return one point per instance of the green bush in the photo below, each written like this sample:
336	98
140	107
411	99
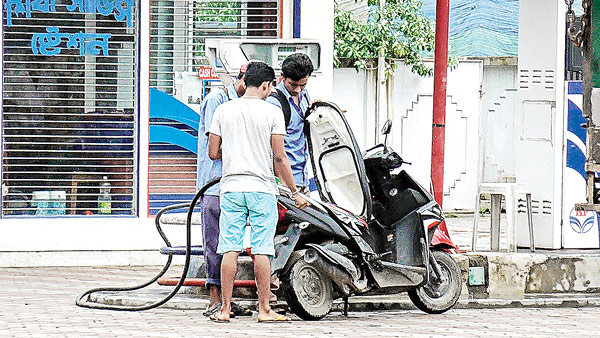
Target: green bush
400	31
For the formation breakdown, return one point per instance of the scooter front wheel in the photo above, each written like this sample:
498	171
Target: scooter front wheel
307	291
439	294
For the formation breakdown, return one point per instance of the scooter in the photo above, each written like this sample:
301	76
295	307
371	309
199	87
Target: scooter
371	232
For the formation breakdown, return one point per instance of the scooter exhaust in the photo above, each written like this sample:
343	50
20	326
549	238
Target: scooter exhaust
341	278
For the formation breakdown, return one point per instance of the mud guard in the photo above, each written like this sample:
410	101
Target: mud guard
441	239
284	246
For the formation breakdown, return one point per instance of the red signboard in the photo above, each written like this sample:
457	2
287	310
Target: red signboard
207	73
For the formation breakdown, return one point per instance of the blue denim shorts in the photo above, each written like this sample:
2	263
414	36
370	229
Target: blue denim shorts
255	208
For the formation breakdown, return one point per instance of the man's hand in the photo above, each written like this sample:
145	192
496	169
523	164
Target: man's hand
300	201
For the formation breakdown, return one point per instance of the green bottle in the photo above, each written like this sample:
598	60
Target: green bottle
104	198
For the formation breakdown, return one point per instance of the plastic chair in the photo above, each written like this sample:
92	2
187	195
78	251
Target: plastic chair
510	192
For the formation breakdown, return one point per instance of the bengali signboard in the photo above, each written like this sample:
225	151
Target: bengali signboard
52	41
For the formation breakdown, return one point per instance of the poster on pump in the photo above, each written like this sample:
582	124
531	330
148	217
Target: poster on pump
579	228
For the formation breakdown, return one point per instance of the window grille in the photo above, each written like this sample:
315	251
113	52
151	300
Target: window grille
178	29
70	107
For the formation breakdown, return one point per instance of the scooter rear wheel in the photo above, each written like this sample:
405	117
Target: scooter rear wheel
307	291
439	296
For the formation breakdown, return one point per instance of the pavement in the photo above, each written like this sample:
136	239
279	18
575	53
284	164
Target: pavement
542	294
546	278
40	302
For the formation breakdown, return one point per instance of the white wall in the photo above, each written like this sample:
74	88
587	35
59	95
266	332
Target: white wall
352	93
497	123
317	23
412	116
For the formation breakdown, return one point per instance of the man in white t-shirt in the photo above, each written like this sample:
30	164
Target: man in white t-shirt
247	134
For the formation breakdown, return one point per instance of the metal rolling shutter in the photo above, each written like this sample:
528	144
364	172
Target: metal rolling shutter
69	119
178	30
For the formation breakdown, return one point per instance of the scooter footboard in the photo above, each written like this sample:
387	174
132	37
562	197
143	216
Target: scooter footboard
404	241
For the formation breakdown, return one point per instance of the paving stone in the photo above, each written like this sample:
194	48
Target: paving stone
52	313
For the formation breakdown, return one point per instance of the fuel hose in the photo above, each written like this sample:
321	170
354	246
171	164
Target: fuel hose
84	299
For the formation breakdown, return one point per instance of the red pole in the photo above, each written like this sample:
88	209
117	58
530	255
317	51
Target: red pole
439	98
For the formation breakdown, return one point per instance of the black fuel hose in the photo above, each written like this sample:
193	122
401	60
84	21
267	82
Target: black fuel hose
84	299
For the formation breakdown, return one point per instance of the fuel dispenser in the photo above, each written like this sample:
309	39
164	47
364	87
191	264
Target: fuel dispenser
584	32
225	57
550	138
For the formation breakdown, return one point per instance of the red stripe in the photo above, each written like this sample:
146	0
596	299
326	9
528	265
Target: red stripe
172	281
280	19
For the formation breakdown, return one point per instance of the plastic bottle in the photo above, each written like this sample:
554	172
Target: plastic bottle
104	199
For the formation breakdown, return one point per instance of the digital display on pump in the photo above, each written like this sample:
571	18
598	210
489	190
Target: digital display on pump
275	53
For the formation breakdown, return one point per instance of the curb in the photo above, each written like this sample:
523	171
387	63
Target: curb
383	305
510	280
356	304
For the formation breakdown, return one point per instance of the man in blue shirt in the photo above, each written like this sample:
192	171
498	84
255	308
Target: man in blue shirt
210	203
296	69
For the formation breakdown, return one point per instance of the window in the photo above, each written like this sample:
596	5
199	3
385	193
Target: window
178	31
70	107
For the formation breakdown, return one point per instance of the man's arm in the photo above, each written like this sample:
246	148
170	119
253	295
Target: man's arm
214	146
209	111
282	168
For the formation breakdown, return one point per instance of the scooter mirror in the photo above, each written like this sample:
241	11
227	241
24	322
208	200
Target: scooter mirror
387	127
385	130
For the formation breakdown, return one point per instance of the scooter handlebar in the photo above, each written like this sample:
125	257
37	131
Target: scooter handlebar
389	158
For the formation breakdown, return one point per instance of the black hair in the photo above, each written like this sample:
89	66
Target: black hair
297	66
257	73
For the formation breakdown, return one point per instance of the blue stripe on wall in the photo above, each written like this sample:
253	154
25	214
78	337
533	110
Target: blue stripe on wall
575	120
575	158
576	87
297	19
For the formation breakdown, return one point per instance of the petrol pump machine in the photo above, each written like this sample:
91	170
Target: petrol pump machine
226	56
550	140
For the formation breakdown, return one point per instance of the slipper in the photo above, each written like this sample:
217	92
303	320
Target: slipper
214	318
216	308
278	318
211	310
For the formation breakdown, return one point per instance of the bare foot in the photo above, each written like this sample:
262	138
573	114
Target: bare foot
220	317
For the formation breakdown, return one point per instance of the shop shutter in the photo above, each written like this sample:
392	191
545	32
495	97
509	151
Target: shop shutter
70	107
177	34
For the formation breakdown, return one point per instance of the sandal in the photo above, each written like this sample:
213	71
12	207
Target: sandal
276	319
216	319
212	309
216	308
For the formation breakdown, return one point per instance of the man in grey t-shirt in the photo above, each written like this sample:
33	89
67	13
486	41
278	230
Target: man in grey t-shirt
247	135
